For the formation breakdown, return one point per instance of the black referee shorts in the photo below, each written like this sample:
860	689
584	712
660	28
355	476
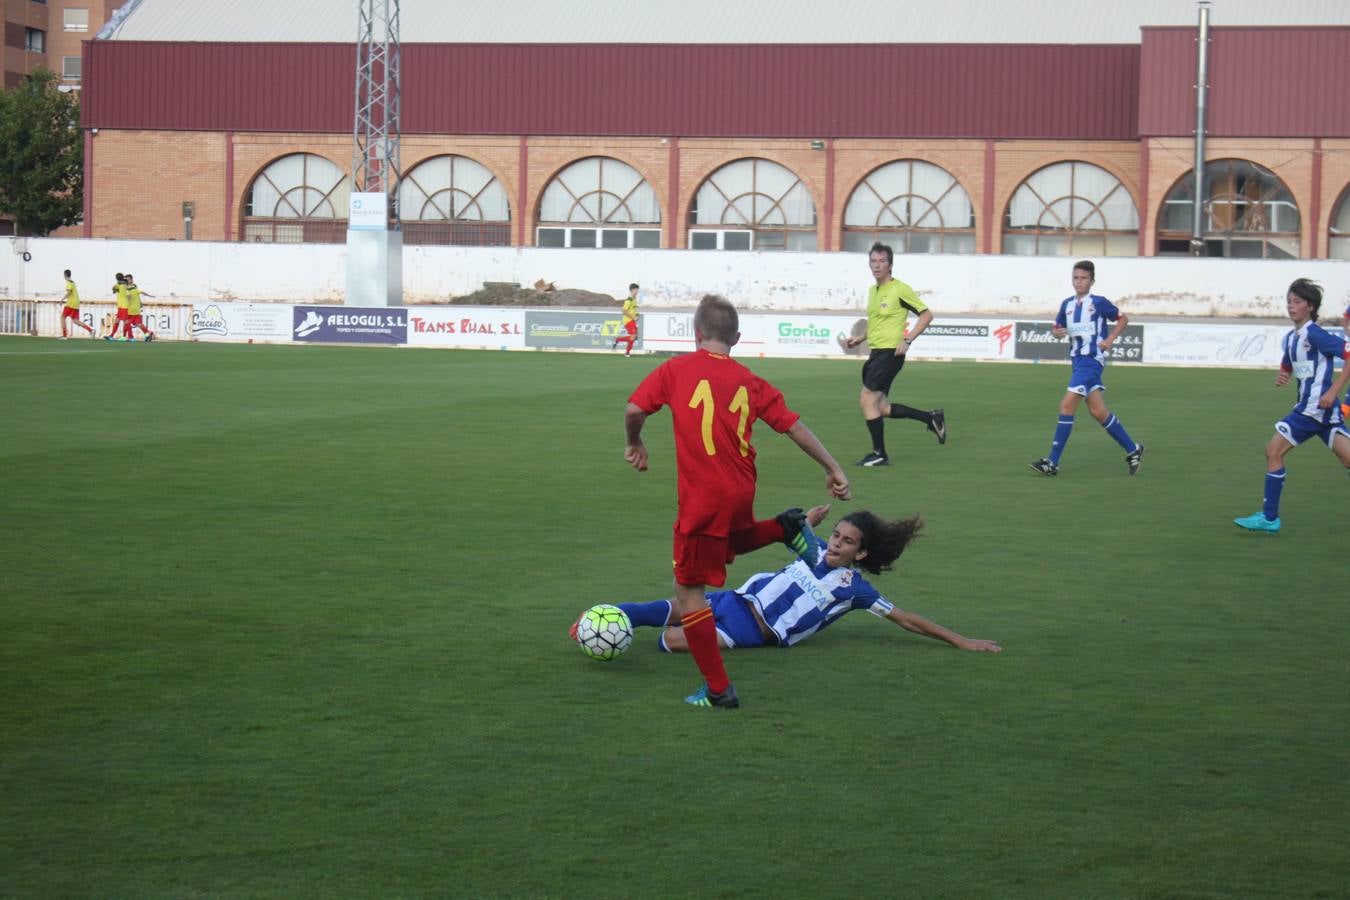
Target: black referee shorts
880	370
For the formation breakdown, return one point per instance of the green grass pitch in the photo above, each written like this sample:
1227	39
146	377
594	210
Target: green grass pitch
291	621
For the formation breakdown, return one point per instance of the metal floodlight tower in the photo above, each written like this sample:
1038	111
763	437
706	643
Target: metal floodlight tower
374	240
375	161
1201	93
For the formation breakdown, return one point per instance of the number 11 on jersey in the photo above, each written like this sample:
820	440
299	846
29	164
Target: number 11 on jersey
740	403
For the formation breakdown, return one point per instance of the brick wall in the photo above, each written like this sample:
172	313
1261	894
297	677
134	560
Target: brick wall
1170	159
141	178
1335	186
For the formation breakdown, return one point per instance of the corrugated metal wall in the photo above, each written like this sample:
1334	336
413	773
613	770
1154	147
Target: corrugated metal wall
989	91
710	21
218	87
815	91
1263	82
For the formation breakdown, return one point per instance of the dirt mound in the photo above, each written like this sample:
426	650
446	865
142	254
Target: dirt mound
497	293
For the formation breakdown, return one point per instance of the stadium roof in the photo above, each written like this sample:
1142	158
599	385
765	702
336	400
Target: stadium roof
707	21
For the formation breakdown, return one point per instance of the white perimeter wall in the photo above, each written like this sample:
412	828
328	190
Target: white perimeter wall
199	271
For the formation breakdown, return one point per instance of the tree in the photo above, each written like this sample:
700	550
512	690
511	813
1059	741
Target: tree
41	155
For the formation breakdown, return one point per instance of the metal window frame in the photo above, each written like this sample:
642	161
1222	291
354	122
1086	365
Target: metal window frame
451	191
1252	209
568	228
1067	229
721	236
578	199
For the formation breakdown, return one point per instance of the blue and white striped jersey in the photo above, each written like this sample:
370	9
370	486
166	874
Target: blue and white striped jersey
1087	323
805	597
1310	354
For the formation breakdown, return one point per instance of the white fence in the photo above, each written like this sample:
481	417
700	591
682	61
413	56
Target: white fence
785	334
18	317
200	272
1179	342
42	318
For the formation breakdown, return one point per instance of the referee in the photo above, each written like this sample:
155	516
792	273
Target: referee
889	303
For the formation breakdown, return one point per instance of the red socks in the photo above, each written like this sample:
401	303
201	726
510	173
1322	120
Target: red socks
701	635
761	534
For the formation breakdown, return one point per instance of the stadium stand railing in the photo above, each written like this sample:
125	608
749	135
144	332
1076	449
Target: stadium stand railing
20	317
42	318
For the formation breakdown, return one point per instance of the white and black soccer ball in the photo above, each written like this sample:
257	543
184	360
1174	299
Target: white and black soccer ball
604	632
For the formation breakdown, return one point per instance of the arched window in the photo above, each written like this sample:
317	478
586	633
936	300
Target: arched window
752	204
599	202
453	200
1071	209
300	198
1338	241
1248	213
914	207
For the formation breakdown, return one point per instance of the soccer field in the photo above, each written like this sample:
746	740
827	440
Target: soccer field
291	621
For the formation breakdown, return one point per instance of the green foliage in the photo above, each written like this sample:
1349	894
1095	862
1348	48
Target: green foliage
291	622
41	155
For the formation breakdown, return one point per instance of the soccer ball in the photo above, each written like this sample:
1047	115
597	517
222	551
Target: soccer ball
604	632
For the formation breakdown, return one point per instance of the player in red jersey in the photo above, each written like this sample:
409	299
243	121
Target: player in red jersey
714	401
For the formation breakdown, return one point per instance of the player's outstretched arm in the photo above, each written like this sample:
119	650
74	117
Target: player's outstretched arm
636	451
836	482
919	625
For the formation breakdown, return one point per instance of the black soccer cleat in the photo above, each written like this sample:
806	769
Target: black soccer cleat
793	521
1134	457
874	459
705	697
939	425
1045	466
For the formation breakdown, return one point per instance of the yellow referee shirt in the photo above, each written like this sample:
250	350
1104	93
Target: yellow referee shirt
888	308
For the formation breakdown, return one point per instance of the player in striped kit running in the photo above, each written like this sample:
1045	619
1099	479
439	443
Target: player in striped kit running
1310	355
1345	330
1086	318
822	585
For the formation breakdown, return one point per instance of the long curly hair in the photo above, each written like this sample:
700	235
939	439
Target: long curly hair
884	541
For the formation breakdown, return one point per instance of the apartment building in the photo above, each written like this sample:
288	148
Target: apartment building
42	34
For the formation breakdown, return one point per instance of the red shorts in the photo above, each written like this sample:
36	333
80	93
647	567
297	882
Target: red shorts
70	312
121	313
134	320
631	327
702	559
